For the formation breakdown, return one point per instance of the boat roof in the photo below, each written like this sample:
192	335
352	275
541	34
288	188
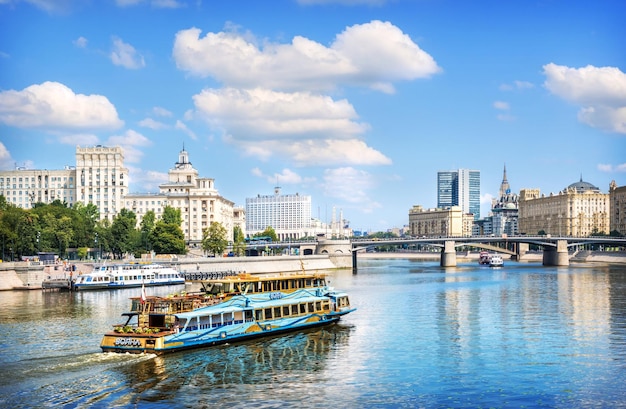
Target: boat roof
246	277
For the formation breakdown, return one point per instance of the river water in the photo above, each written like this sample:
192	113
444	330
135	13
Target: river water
521	336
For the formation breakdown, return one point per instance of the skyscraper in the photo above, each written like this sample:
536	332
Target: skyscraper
459	188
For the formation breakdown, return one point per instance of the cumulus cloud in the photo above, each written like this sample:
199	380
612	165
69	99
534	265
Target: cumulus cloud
6	161
285	177
145	180
131	141
600	91
183	127
374	54
125	55
152	124
307	129
352	186
54	106
80	42
159	111
278	114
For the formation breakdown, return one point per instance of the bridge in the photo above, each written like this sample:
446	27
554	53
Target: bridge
556	249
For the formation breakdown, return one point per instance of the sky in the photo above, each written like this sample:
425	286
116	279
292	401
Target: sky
357	103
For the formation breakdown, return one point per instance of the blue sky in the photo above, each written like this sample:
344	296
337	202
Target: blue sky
357	103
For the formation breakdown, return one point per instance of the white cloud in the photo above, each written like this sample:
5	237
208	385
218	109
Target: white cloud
600	91
80	42
125	55
79	139
305	128
129	141
145	180
373	54
6	161
352	186
183	127
159	111
286	177
278	114
152	124
501	105
517	85
605	167
54	106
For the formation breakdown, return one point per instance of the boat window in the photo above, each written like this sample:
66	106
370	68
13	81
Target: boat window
307	283
268	313
258	315
294	309
285	310
277	313
302	308
310	307
318	306
284	285
248	315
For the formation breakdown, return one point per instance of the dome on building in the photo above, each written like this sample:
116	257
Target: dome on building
582	187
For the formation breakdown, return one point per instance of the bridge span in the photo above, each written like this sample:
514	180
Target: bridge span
557	250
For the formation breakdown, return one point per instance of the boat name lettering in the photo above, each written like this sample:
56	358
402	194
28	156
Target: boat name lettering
127	342
276	296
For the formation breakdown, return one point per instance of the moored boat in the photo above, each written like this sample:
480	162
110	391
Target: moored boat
110	276
229	309
484	257
496	261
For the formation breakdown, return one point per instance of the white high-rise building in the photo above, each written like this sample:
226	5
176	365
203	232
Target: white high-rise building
288	215
101	178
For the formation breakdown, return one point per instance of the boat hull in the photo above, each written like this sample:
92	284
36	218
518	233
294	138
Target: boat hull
113	286
162	344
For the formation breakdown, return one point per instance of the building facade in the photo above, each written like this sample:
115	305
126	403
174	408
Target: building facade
25	187
288	215
580	210
459	188
504	211
437	222
196	197
102	179
617	208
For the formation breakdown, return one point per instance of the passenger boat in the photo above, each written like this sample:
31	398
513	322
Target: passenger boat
109	276
496	261
483	258
228	309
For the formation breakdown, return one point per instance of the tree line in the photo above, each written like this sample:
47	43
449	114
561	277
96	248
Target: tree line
56	227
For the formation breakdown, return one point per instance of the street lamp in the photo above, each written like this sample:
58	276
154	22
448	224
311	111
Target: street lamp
96	242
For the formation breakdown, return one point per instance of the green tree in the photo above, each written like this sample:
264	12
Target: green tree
268	232
214	239
239	241
167	239
145	227
172	216
122	233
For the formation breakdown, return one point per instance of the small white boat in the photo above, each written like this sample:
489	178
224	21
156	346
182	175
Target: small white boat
496	261
109	276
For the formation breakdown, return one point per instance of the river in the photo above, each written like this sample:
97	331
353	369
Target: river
521	336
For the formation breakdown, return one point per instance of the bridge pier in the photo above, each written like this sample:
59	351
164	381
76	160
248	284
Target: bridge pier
556	256
448	255
522	248
354	265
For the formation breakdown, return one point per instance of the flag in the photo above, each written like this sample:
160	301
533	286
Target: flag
143	294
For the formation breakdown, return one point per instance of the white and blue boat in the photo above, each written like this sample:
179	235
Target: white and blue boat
127	275
228	310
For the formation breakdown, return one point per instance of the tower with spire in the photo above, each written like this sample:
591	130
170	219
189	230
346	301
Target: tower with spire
505	189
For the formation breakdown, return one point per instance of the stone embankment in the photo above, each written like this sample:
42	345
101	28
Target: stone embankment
29	276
